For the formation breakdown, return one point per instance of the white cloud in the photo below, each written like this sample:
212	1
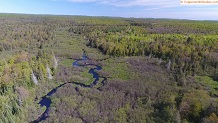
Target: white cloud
148	4
159	8
129	3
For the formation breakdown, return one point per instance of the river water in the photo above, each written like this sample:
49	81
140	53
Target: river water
46	101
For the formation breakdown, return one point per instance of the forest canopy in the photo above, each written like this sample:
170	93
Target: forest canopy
156	70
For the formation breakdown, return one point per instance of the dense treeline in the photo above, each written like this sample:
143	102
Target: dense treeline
190	46
24	62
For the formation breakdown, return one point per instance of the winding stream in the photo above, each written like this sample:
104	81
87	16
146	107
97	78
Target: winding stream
46	101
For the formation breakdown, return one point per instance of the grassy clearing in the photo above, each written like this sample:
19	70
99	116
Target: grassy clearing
67	62
208	82
87	77
118	69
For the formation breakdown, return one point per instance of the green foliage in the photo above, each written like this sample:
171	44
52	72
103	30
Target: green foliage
67	62
118	69
193	104
182	42
208	82
121	114
138	89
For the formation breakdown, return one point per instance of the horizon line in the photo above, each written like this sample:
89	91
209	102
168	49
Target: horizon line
42	14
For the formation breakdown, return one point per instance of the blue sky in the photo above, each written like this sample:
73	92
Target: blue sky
121	8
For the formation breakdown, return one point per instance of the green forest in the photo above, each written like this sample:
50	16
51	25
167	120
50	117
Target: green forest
147	70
